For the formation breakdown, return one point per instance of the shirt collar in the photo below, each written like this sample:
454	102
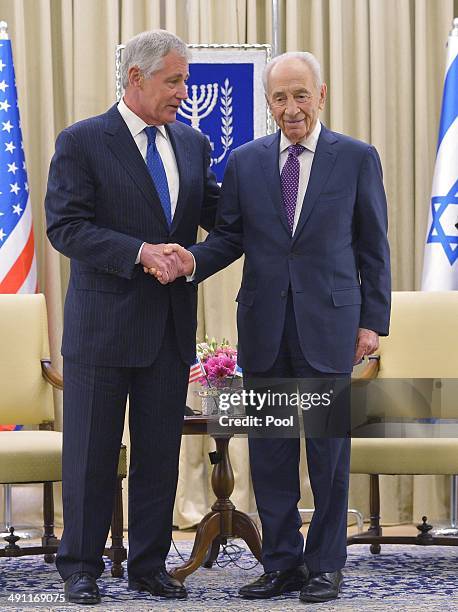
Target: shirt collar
309	143
133	121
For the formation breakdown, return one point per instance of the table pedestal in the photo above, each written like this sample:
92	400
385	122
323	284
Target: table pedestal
224	521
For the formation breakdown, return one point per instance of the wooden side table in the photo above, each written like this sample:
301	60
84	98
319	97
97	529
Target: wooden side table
224	521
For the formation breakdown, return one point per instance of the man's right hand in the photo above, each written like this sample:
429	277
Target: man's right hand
185	266
163	260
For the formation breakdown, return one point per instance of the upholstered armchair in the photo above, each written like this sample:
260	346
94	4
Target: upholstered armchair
417	372
33	454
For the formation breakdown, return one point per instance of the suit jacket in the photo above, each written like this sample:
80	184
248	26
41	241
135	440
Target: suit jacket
101	205
336	265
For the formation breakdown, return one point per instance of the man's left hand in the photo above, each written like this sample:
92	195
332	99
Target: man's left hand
366	344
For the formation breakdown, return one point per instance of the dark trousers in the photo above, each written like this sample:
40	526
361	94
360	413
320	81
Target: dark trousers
275	475
94	410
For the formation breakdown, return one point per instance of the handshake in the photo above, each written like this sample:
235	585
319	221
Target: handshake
166	262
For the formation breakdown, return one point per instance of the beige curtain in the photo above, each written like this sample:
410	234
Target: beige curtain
383	61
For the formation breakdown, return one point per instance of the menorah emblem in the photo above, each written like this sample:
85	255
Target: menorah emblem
202	102
199	106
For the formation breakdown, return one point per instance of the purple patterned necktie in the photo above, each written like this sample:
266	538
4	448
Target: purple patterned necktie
290	182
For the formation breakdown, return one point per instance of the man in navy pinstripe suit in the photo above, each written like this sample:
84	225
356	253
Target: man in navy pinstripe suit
120	186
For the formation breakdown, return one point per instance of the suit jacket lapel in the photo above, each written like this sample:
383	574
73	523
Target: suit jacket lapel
323	162
182	155
269	154
120	142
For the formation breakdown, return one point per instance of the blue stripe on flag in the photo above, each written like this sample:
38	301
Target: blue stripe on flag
449	110
440	260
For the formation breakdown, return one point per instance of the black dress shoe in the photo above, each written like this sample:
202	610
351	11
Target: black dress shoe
81	588
272	584
159	583
322	587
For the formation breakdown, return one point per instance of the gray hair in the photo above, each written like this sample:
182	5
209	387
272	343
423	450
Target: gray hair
146	51
305	56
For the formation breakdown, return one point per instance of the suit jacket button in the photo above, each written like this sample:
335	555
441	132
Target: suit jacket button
283	294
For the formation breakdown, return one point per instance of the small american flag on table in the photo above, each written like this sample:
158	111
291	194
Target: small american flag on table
196	371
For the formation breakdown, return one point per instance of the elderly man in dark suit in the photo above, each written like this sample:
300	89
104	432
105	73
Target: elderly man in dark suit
307	207
120	186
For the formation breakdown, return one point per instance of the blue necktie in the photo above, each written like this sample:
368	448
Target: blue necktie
157	171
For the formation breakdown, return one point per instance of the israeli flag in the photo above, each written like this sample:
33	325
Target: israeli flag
440	267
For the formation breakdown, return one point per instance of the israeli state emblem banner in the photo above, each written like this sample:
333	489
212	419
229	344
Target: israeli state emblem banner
226	99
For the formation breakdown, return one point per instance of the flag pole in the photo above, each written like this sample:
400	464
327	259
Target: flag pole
454	478
453	530
6	487
276	25
7	492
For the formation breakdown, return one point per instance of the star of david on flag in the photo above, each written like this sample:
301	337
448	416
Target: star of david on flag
440	270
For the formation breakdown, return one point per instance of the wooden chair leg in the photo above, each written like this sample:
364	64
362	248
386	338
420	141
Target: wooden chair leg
374	506
49	538
117	553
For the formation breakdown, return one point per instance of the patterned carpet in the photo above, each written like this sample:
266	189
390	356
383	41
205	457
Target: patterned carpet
402	578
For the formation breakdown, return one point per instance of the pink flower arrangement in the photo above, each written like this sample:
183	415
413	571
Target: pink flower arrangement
219	362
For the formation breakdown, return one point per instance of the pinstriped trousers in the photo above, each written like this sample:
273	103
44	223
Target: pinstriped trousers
94	412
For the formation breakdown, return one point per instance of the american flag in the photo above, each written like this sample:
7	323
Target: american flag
18	270
196	371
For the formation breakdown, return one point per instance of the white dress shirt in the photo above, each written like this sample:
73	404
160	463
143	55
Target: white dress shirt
305	162
164	146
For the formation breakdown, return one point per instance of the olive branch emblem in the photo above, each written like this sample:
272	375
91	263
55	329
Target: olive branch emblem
226	121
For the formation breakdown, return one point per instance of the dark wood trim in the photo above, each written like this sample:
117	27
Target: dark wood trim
374	537
49	537
374	505
51	375
117	553
374	508
28	550
363	538
370	372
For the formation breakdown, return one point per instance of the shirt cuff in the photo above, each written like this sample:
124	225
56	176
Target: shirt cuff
189	279
137	261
